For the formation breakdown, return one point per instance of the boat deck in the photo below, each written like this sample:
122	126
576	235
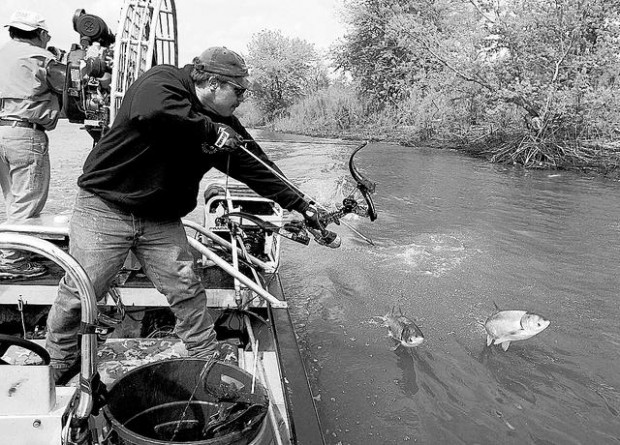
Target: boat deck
279	363
116	357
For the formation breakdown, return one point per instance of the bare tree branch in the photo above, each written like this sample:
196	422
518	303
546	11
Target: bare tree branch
516	99
481	12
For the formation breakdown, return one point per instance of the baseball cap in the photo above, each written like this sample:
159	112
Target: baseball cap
224	62
27	21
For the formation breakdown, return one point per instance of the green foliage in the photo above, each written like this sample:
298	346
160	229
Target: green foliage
547	67
539	77
373	54
283	71
250	114
334	109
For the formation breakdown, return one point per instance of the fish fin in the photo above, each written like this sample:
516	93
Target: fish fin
489	340
505	345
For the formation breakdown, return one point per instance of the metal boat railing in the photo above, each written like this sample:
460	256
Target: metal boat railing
212	256
222	242
88	299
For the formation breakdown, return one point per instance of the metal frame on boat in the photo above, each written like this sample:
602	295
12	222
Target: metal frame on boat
252	296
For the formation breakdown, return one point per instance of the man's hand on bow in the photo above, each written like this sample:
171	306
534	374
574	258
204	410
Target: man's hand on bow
227	139
311	216
322	236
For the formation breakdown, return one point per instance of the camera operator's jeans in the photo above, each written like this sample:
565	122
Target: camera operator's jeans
24	178
101	236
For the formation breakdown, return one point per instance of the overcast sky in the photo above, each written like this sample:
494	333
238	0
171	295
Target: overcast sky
201	23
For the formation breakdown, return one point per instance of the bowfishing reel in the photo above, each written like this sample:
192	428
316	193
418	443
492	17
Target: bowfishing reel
87	88
349	205
294	230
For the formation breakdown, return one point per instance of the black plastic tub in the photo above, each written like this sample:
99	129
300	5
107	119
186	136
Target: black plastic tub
181	401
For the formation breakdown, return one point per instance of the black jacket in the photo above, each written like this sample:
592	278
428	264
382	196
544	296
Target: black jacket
151	161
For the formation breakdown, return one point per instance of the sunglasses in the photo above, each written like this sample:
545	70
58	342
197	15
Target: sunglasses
238	89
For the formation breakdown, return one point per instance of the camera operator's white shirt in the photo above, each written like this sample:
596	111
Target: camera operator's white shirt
24	91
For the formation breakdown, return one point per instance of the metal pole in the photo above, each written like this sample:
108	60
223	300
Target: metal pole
88	302
273	301
233	240
222	242
260	369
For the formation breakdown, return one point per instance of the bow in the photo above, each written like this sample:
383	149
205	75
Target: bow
349	204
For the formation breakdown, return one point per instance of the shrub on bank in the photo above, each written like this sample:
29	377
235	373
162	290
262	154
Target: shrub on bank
579	131
330	111
250	114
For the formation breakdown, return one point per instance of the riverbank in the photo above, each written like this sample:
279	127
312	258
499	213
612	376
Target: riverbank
591	156
516	148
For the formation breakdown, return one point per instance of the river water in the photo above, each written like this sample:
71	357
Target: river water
455	235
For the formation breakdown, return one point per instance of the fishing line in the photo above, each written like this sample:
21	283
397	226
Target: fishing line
286	141
201	378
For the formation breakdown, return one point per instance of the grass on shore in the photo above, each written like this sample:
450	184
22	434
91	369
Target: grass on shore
336	113
517	148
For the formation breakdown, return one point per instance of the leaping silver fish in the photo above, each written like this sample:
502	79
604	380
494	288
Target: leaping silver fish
504	327
402	329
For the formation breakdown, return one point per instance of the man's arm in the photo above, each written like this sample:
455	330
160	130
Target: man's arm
161	105
243	167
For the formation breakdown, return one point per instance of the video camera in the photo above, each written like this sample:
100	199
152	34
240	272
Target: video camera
85	84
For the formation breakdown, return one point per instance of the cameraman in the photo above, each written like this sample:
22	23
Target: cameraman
28	107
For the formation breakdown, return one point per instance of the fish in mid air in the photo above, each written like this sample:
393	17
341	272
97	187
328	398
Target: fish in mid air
402	329
504	327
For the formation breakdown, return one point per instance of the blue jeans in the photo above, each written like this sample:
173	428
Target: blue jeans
100	238
24	177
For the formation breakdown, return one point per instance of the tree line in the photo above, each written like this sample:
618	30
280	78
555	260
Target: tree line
533	82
